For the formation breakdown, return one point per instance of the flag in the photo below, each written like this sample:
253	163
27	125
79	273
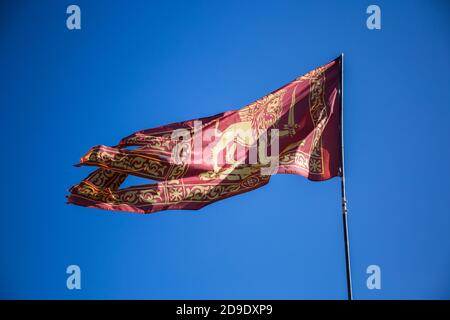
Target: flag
294	129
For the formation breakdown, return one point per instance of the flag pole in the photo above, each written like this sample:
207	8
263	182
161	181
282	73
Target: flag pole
343	194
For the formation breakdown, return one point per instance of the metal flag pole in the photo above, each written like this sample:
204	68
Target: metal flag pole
344	198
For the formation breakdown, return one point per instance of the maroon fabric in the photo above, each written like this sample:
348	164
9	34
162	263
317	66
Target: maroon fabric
306	113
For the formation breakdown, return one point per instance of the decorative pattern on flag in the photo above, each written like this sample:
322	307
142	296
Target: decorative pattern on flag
200	161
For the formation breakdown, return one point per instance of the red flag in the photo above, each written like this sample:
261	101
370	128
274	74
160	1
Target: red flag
295	129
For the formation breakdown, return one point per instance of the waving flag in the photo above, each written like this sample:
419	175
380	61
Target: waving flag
295	129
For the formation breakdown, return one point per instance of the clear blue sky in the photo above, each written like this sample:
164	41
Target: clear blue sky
140	64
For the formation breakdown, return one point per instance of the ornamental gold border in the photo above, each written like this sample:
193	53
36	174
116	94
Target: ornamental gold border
318	113
172	192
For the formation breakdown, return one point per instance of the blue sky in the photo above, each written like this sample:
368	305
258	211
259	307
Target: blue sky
141	64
